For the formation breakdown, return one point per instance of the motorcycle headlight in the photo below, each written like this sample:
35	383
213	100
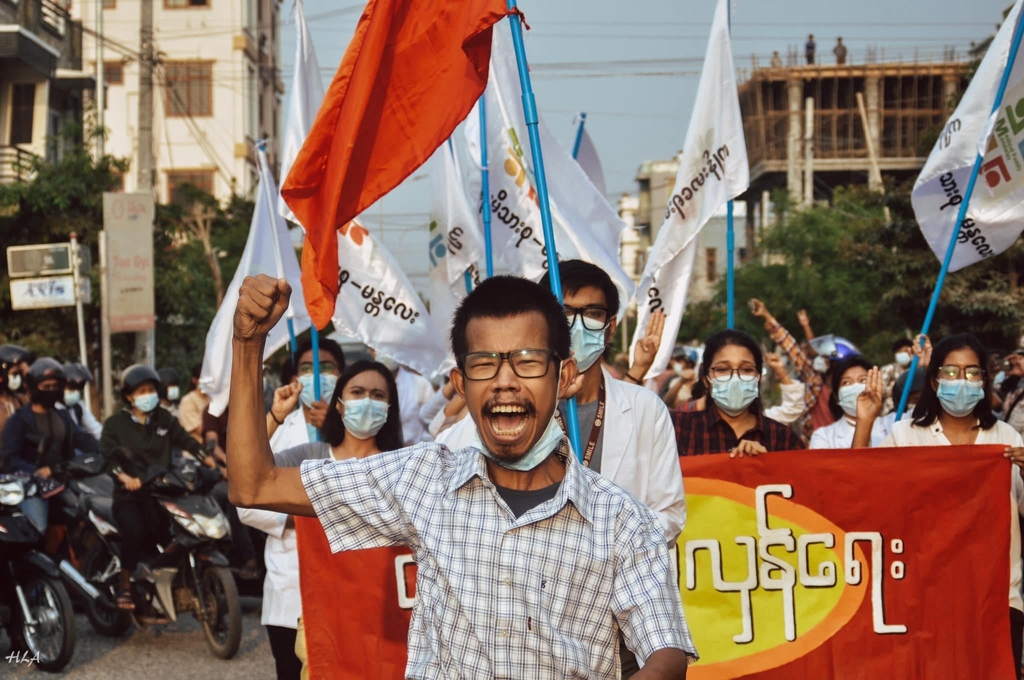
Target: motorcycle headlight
215	527
12	492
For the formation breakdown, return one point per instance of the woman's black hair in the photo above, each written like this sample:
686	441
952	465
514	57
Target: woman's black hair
714	344
390	436
837	378
928	407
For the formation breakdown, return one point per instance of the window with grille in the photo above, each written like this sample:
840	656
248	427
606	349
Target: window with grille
23	110
189	88
201	179
113	73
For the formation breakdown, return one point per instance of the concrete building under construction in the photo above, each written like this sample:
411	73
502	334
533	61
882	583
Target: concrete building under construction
805	125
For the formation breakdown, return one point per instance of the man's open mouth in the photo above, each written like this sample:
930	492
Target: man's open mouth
508	420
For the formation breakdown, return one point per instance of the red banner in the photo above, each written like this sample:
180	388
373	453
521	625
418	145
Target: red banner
827	565
356	607
885	563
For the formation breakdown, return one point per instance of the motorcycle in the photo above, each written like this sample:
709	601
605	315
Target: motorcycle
35	608
190	575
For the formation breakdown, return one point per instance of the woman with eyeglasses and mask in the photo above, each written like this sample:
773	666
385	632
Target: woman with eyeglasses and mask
362	419
954	409
733	421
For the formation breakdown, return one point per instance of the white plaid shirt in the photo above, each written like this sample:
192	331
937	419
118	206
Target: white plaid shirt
538	597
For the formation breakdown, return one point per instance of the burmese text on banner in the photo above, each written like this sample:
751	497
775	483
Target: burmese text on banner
885	563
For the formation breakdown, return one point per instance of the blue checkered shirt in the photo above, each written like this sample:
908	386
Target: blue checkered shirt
540	597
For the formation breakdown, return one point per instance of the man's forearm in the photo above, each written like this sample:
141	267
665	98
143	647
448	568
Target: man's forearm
664	664
249	456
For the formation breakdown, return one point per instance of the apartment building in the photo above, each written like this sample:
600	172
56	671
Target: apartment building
216	88
41	82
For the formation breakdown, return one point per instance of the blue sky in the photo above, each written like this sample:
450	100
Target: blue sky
633	67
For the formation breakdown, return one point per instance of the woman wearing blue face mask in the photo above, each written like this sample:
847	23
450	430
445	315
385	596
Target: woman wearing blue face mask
850	379
362	419
955	409
732	422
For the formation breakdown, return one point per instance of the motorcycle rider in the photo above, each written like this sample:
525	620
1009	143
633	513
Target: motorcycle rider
170	390
39	439
140	435
79	378
11	396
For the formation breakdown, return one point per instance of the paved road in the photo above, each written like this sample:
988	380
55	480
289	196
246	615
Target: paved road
175	651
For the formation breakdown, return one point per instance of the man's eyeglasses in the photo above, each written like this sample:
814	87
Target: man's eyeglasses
972	373
325	367
724	373
525	363
594	318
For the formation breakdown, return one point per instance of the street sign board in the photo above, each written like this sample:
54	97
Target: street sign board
53	291
128	223
39	260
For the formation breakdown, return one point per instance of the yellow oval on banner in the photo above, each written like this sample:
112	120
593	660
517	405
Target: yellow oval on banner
741	626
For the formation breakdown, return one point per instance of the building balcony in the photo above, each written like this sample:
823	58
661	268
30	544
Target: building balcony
15	164
41	34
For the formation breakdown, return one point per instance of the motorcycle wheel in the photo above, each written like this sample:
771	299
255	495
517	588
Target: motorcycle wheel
105	619
222	612
52	639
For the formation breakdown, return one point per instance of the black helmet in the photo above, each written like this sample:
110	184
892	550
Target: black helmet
45	369
168	376
77	373
12	354
135	375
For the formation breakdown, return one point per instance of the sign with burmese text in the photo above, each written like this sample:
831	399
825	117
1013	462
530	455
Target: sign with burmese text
356	607
885	563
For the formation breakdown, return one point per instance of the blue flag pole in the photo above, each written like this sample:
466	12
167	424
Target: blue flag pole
579	135
1011	58
293	344
730	240
485	187
532	124
315	337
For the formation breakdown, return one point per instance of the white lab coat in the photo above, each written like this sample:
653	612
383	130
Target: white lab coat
282	600
639	451
414	391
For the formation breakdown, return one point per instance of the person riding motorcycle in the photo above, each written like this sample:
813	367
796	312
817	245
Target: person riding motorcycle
39	439
79	378
170	389
12	397
140	435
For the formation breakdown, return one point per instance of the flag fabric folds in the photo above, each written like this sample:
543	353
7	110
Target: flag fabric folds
588	159
412	72
307	93
379	306
268	250
994	216
713	169
585	225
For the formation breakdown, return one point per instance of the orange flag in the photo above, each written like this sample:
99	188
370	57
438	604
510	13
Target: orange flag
411	74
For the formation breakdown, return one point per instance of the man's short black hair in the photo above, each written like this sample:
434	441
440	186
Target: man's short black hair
326	345
577	275
500	297
901	343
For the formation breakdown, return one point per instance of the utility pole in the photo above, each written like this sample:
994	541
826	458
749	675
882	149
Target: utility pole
145	341
101	94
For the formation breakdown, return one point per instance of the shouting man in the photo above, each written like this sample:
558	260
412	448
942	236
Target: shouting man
529	564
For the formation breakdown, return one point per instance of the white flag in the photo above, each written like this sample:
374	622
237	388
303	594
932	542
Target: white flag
586	227
455	243
713	170
995	215
307	94
268	250
586	156
378	305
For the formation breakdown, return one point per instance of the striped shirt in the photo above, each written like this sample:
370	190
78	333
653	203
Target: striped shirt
543	596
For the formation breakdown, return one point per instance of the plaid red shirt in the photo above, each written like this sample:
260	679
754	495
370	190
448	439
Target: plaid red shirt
700	432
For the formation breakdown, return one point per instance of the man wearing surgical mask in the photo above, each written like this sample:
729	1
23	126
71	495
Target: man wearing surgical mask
290	426
903	349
